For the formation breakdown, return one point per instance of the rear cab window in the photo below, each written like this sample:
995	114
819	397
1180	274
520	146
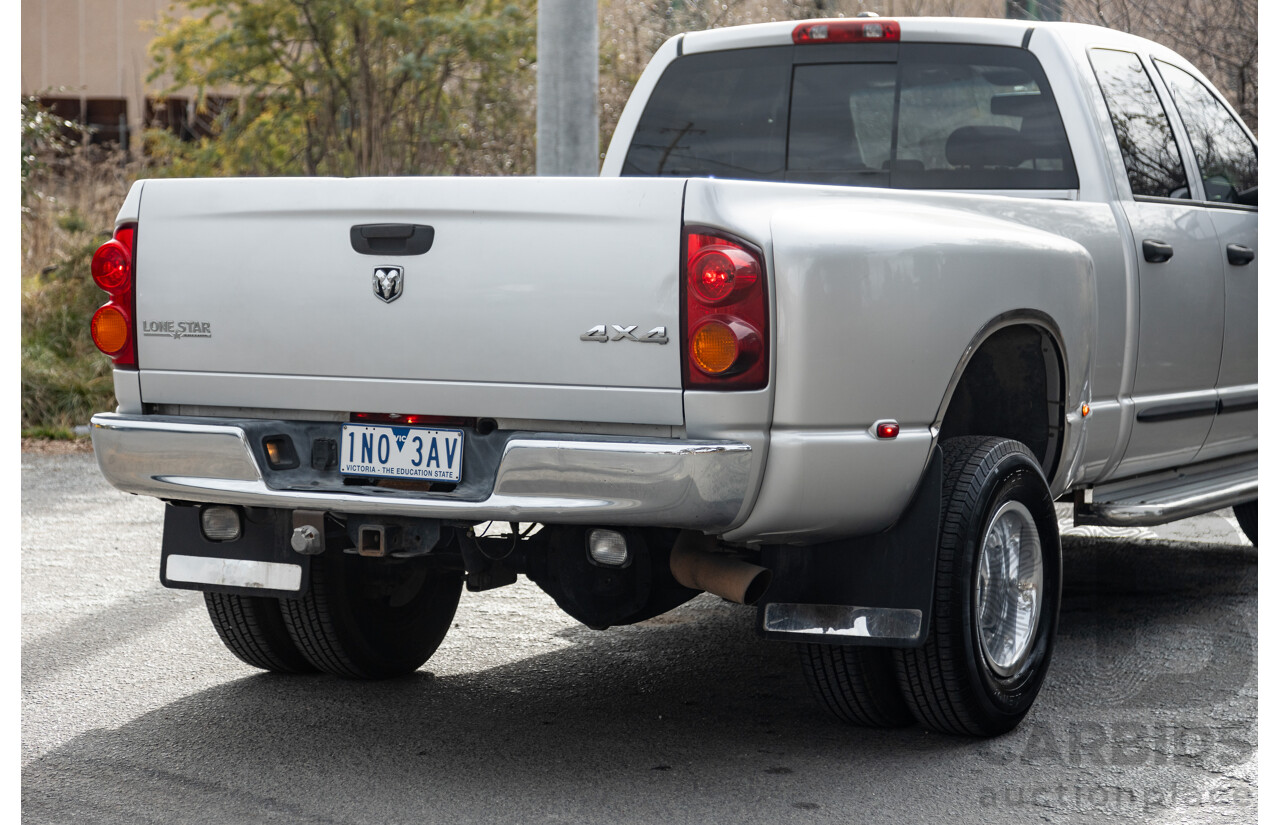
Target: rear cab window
910	116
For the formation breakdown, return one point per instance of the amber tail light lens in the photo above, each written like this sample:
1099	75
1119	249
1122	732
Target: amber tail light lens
112	327
725	324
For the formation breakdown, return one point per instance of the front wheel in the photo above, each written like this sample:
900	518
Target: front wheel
996	593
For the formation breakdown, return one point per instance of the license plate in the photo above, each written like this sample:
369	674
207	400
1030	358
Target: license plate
385	451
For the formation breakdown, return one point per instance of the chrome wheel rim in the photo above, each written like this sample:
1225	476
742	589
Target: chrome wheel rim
1009	589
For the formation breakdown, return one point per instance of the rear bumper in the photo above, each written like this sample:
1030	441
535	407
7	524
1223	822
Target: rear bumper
552	479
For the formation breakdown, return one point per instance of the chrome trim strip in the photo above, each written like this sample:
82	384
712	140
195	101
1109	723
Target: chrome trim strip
567	479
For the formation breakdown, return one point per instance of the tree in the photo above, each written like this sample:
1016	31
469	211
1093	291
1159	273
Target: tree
353	87
1220	38
44	135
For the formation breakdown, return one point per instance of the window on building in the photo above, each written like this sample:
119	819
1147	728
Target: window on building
108	121
66	108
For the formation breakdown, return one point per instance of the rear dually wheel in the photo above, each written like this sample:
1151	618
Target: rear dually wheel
996	593
372	618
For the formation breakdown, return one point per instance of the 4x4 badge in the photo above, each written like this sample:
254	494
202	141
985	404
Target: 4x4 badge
388	282
617	332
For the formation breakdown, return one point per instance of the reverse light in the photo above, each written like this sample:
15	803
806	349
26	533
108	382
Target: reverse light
847	31
726	312
112	327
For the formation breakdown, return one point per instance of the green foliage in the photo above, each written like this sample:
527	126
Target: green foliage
353	87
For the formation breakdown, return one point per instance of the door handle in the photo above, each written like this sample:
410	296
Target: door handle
392	238
1238	255
1156	252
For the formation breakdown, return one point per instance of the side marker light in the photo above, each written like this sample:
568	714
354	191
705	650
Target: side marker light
887	429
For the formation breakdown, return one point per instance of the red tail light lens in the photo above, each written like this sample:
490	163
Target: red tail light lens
111	266
720	272
112	325
847	31
726	312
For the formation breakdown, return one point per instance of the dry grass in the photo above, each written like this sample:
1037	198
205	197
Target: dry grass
56	446
69	209
71	201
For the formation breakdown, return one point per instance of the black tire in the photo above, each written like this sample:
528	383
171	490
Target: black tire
953	683
252	628
857	684
1247	517
372	618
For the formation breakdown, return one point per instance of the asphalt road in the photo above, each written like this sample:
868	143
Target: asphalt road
132	712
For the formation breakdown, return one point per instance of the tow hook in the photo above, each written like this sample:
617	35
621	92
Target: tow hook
308	532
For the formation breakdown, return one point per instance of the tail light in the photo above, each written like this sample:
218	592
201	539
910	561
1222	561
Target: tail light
725	332
847	31
112	326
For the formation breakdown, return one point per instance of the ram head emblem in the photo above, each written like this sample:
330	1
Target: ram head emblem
388	282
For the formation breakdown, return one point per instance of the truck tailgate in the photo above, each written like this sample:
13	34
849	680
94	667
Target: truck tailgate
251	292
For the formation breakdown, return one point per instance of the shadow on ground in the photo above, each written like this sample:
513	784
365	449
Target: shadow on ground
687	718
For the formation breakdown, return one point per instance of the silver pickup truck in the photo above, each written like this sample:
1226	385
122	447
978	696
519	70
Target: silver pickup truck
852	304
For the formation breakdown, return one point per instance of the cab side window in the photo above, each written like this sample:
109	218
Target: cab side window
1227	158
1151	156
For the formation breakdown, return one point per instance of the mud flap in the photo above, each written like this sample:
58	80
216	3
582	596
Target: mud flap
870	590
259	563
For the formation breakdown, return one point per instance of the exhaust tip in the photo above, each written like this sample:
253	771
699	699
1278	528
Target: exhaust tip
757	587
694	565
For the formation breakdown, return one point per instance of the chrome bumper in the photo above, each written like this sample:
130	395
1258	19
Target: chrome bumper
552	479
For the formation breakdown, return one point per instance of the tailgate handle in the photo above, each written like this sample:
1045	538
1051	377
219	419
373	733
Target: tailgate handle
392	238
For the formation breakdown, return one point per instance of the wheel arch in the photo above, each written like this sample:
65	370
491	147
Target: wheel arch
1017	358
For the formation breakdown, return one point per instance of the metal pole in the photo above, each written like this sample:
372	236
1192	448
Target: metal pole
568	81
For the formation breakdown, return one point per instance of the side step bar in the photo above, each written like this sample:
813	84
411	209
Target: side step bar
1168	496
